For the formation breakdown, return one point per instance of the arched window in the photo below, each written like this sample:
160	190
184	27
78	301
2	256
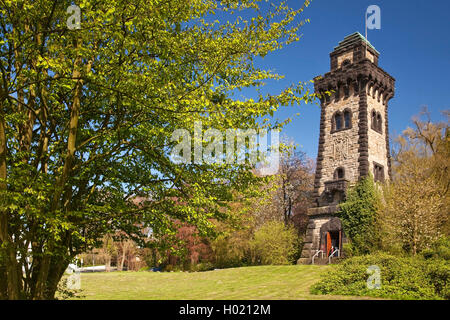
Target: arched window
378	172
374	119
339	173
346	62
379	123
346	91
347	119
338	121
341	120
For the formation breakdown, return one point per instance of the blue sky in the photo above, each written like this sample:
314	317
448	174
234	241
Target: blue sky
414	46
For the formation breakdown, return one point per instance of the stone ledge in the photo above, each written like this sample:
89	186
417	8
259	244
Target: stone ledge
325	210
336	185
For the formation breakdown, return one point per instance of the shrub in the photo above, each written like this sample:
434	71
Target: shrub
359	216
232	250
172	268
199	267
439	250
438	272
347	250
274	243
401	278
145	268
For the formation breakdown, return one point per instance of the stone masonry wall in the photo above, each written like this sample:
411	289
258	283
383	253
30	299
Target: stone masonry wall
312	238
343	57
341	147
377	140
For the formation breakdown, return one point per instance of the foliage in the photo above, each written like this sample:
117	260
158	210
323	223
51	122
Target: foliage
401	278
281	199
359	216
440	249
347	250
295	181
193	248
63	292
275	243
108	250
417	202
289	192
117	249
414	214
153	257
172	268
87	116
272	243
202	266
232	249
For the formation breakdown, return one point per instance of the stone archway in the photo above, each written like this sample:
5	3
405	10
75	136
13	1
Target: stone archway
331	235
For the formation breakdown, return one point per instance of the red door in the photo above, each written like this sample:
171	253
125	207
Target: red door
328	244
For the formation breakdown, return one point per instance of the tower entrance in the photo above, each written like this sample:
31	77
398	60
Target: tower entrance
332	245
331	237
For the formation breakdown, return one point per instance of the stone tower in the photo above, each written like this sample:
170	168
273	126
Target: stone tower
353	137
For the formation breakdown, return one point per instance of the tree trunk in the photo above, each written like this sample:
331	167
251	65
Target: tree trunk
56	272
122	261
3	282
41	281
108	263
8	253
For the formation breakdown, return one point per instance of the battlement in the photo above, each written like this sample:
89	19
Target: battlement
354	77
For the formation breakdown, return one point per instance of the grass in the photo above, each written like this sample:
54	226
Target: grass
249	283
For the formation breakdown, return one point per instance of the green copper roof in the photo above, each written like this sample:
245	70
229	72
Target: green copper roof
352	39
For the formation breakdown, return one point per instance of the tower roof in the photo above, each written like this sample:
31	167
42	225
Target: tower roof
352	39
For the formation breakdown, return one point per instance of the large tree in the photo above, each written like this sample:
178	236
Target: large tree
87	115
417	202
289	192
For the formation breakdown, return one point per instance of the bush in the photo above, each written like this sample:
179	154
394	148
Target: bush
347	250
438	272
359	216
200	267
232	250
171	268
274	243
145	268
439	250
401	278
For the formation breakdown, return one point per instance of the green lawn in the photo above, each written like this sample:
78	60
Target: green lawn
263	282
